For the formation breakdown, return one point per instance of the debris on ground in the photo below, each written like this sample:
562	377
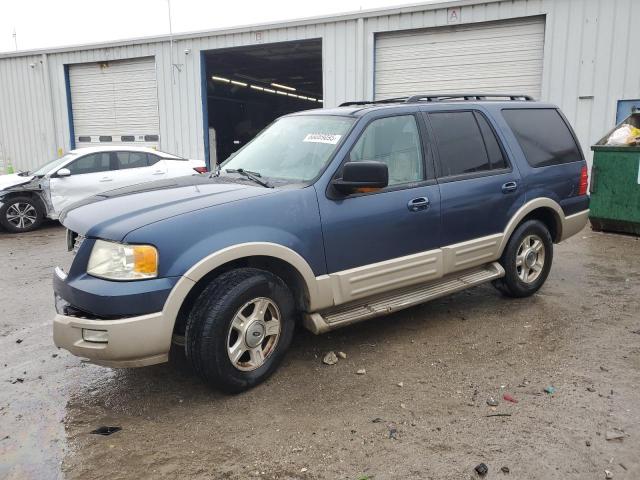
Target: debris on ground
505	469
7	437
19	341
105	430
498	415
54	355
18	380
492	402
482	469
342	355
400	384
393	431
330	359
304	469
604	369
591	389
550	390
509	398
377	420
587	443
362	371
608	474
615	434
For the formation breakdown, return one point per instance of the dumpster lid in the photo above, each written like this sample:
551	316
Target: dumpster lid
601	145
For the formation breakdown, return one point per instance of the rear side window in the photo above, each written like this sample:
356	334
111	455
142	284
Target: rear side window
466	143
543	136
132	160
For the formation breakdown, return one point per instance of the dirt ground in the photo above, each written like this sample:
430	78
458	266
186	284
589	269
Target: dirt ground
420	411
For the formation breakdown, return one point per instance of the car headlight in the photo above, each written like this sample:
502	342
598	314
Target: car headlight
117	261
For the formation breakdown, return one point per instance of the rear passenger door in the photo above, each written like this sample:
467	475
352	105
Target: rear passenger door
137	167
480	189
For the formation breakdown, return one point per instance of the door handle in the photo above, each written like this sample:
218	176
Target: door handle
509	187
106	179
158	172
417	204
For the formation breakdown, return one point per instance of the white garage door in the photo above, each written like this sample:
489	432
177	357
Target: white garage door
496	57
115	103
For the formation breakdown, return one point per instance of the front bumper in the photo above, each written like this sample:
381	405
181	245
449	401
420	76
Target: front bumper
131	342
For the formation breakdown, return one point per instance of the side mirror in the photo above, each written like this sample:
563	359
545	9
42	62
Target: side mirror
357	176
63	172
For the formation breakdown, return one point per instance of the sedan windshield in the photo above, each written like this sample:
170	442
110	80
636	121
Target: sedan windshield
293	148
52	164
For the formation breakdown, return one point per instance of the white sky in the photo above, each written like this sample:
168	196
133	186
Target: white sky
48	23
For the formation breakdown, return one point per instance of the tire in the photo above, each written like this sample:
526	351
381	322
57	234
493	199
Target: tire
234	315
21	214
526	260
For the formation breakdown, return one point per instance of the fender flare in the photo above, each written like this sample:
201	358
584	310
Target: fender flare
319	291
526	209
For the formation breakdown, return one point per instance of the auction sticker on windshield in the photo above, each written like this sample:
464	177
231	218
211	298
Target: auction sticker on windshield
322	138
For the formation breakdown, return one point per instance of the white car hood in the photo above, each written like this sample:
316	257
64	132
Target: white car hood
13	179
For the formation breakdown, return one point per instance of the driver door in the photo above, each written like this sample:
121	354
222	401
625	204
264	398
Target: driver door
381	240
90	174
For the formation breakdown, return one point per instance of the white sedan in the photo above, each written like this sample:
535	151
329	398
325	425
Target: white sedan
26	198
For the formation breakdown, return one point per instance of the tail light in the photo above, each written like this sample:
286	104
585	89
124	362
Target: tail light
584	181
200	169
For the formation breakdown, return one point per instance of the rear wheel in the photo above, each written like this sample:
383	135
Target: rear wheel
240	328
21	214
526	260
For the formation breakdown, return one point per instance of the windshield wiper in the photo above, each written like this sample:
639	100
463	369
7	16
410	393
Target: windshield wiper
255	176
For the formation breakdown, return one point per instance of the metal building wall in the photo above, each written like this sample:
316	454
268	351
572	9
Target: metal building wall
589	64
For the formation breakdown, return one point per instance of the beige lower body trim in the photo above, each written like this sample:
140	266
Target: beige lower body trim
132	342
574	223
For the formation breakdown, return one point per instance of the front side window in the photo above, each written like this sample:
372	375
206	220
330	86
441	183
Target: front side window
93	163
295	148
396	142
543	136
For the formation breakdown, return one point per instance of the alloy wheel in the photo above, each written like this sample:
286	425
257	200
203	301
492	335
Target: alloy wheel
530	258
22	215
253	334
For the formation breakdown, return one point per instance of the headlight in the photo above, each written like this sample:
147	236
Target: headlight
116	261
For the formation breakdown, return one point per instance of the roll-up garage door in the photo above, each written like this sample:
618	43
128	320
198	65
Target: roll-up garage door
494	57
115	103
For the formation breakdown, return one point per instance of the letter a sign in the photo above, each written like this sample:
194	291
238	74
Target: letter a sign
453	15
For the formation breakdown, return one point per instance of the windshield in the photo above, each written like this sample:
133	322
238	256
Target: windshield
293	148
52	164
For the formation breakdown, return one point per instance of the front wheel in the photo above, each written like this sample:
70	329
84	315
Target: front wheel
21	214
526	260
240	328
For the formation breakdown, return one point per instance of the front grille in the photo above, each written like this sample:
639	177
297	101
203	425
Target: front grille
74	241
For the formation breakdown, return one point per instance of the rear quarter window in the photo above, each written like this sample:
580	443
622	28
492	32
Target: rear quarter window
543	135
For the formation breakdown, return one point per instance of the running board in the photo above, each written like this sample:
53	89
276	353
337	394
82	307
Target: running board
336	317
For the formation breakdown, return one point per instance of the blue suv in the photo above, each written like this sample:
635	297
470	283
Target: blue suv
328	217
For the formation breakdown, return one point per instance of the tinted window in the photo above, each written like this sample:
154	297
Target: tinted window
460	143
132	160
496	157
396	142
96	162
543	135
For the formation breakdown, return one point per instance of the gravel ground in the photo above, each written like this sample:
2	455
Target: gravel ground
419	411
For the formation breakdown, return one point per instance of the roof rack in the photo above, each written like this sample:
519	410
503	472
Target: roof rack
442	97
374	102
439	97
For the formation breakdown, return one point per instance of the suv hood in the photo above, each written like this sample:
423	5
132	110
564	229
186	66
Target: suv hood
112	215
13	179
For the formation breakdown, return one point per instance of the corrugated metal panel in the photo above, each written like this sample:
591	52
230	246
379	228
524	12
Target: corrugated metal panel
115	100
488	57
589	63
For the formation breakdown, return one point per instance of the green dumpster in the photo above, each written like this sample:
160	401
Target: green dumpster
615	184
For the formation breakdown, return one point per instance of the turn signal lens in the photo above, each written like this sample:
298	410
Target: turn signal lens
200	169
117	261
584	181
